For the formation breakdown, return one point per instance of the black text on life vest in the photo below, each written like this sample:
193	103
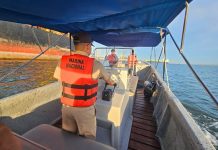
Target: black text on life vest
75	64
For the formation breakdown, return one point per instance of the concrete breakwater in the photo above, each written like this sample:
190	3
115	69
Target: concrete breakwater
25	110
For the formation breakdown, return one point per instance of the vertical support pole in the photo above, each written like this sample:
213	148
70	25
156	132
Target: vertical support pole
164	50
165	58
37	40
70	43
184	26
151	54
162	47
155	61
49	39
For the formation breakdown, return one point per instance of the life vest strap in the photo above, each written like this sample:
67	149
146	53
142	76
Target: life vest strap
76	86
79	97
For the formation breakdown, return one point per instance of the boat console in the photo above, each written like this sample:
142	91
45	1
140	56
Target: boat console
112	116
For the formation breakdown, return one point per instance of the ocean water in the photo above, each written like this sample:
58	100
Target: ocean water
181	81
192	95
36	74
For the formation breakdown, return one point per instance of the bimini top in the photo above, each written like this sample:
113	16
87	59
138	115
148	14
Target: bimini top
110	22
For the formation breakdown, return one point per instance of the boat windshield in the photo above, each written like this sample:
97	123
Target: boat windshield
101	54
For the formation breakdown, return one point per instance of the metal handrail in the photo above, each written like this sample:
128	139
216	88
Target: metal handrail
184	26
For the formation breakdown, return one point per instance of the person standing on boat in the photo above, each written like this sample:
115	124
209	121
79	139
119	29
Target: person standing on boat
79	75
132	61
112	58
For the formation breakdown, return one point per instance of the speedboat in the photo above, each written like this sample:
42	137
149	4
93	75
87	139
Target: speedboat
138	116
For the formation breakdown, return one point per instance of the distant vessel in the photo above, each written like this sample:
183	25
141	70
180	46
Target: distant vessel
161	61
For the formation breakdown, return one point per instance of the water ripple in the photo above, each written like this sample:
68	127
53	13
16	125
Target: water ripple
37	74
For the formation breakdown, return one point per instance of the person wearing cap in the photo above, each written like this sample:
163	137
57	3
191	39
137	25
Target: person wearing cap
79	75
132	61
112	58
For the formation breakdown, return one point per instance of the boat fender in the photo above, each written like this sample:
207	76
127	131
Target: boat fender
149	88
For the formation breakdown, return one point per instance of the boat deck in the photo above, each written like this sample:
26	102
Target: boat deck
143	130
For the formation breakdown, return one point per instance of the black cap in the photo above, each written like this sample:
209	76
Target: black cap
82	37
113	50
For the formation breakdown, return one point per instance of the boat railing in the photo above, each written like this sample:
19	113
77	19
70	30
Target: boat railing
176	127
41	104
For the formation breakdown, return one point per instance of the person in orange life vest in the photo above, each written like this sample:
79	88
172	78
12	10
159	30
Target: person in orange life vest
112	58
79	75
132	61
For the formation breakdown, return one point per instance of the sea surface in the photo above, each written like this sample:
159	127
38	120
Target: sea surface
36	74
181	81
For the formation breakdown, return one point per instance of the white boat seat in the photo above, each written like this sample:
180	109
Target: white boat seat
57	139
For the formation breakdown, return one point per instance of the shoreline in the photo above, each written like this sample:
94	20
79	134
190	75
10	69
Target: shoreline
12	50
25	56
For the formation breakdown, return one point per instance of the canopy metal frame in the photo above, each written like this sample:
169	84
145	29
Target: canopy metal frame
114	48
153	52
180	50
165	72
109	48
162	49
36	38
28	62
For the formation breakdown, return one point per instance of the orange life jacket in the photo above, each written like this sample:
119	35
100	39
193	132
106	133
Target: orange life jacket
112	59
132	60
79	89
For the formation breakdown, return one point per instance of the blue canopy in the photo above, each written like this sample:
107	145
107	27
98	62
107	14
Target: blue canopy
104	19
131	37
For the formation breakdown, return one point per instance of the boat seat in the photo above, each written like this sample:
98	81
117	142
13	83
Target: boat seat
57	139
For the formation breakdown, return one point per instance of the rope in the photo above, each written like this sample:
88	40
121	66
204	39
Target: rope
105	56
154	56
37	40
167	78
159	57
151	54
161	48
93	53
165	72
